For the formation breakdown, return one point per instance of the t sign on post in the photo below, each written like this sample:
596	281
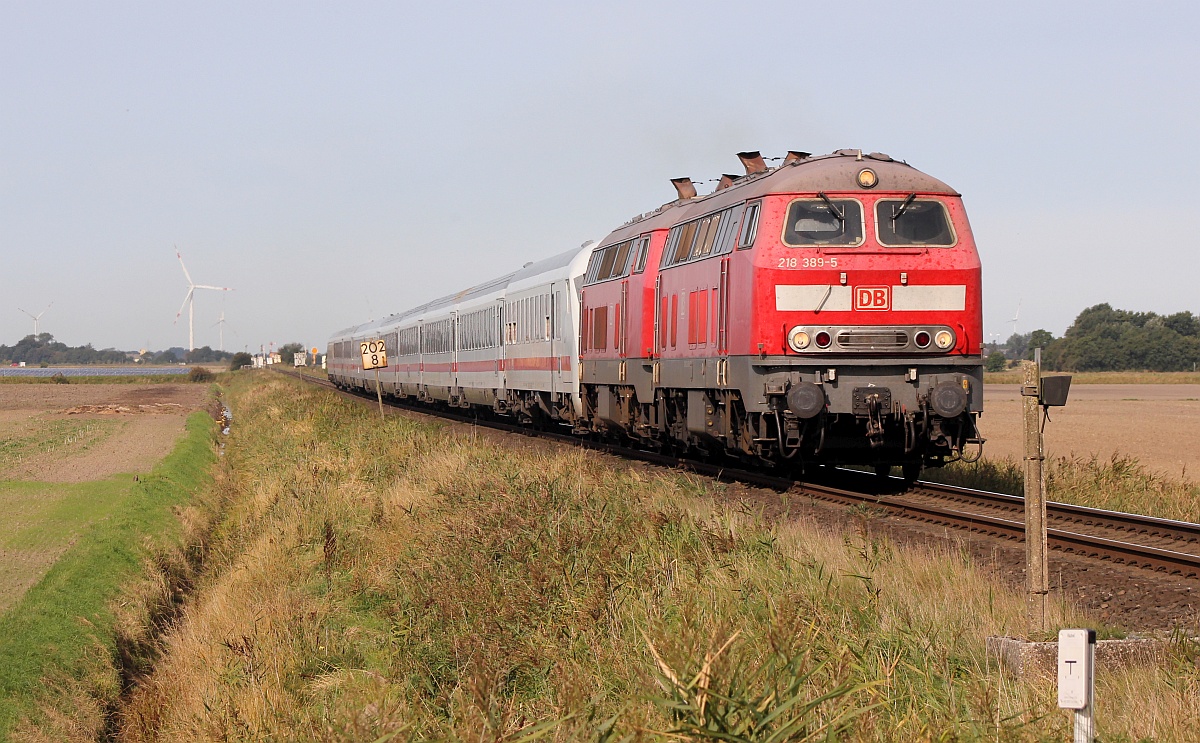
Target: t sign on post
374	356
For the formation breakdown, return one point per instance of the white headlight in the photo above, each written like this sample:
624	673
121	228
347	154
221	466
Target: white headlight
798	339
944	339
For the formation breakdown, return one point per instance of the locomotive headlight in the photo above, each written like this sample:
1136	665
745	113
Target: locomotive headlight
944	339
798	339
867	178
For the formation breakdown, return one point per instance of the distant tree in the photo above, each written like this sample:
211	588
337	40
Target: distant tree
288	351
166	357
996	362
239	360
1016	345
1105	339
1038	339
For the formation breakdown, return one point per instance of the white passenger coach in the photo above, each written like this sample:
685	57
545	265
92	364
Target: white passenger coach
510	343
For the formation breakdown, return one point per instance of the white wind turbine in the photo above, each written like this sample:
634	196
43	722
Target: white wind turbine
190	302
36	317
1016	315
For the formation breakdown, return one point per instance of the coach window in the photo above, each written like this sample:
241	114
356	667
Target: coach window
912	221
823	221
749	226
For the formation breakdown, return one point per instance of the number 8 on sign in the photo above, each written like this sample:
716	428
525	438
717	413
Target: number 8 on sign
374	354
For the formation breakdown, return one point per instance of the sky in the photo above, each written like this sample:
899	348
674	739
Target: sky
336	162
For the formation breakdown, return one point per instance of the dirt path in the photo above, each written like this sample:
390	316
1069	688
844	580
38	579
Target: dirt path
78	433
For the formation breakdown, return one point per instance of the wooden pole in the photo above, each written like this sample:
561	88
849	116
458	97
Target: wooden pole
1037	571
379	393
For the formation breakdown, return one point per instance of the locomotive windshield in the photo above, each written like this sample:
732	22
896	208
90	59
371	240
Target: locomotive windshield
823	221
912	222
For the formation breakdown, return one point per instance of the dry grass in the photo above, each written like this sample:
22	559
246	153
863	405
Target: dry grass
1119	483
1015	376
400	581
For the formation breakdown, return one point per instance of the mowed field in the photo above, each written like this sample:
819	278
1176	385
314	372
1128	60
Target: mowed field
1157	424
68	454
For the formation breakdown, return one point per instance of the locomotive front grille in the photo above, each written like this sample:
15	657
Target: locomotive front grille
872	340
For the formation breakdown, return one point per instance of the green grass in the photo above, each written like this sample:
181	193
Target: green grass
63	627
41	522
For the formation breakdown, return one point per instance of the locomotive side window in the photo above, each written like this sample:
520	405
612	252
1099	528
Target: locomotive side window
911	221
823	221
749	226
610	263
642	250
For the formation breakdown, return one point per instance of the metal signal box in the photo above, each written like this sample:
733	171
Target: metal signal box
1054	390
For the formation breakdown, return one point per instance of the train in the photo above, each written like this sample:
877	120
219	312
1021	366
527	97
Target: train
823	311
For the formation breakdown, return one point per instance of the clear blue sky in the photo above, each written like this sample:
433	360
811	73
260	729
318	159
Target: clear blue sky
335	162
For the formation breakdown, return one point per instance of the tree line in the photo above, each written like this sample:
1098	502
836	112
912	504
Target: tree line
42	349
1105	339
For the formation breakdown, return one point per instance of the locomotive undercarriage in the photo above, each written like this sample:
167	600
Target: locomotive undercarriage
786	414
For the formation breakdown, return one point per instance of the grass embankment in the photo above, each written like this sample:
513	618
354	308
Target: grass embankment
66	645
1016	376
396	580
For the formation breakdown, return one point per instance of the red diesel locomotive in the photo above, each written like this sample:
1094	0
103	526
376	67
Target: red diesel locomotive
827	311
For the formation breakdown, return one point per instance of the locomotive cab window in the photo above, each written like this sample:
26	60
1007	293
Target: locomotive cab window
823	221
912	221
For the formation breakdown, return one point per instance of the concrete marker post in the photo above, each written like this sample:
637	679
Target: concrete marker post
1037	570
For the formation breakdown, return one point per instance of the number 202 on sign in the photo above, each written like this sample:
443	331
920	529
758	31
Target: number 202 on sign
374	354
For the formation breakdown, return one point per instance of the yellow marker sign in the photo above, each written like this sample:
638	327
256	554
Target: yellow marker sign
374	354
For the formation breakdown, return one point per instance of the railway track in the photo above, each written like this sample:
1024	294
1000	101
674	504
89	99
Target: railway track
1162	545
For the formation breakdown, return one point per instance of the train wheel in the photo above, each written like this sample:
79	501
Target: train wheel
883	471
912	470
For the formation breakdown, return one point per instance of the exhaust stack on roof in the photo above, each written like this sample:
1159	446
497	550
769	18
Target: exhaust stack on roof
684	187
796	156
753	162
726	181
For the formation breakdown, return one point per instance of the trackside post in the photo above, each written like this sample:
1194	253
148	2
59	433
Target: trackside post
374	356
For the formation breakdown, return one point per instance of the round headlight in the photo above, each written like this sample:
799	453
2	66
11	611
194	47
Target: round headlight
867	178
798	339
944	339
823	339
922	339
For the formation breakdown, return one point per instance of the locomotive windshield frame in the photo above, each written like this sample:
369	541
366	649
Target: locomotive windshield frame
913	223
824	222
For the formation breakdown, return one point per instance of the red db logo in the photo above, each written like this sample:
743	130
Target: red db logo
872	297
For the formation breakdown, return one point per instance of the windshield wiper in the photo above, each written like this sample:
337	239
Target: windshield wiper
897	211
836	212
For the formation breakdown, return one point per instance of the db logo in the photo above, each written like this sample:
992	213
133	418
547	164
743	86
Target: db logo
872	297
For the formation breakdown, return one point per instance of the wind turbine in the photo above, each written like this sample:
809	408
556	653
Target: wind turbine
36	317
1016	315
189	300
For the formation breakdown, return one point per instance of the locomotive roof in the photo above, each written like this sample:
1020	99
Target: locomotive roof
836	171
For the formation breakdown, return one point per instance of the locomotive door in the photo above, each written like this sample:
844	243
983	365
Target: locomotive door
659	319
723	309
623	321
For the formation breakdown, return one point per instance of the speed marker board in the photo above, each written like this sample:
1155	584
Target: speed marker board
374	354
